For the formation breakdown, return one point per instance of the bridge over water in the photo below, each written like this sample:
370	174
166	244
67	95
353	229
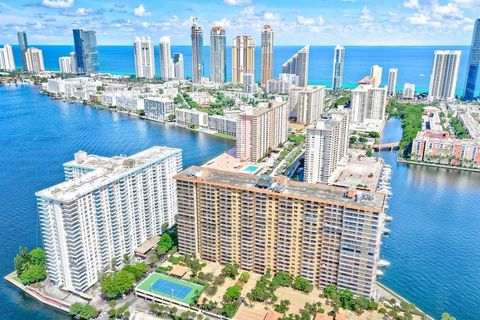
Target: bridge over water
386	146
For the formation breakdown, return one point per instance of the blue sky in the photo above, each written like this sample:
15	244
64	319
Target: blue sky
296	22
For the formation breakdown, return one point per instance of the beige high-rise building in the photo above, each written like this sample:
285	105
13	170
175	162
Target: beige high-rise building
329	235
260	129
443	81
326	145
307	103
368	103
34	59
243	58
267	55
298	64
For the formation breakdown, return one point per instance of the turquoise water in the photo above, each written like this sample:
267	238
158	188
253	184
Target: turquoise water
413	62
433	246
250	169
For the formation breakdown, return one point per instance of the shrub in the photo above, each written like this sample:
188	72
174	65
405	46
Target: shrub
211	291
83	311
244	277
219	280
174	260
283	279
232	293
230	270
302	284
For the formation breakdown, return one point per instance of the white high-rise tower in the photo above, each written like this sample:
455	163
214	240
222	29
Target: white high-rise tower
144	58
443	81
392	81
338	66
6	58
166	62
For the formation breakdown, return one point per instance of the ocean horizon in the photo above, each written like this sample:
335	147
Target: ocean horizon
414	63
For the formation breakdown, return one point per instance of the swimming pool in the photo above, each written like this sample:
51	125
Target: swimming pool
250	169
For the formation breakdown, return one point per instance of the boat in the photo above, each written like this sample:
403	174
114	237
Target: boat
383	263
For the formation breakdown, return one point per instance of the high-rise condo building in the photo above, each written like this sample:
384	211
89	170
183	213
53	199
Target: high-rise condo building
307	103
86	51
368	103
23	45
282	85
243	58
166	62
298	64
376	75
178	66
105	210
65	64
73	61
197	52
7	61
144	55
327	234
392	81
249	84
267	55
408	91
35	60
326	145
443	81
218	53
260	129
473	63
338	67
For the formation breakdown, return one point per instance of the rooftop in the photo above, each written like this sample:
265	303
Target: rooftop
300	190
106	170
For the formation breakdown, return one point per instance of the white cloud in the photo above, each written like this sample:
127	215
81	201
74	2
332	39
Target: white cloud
366	17
83	11
223	23
140	11
248	11
271	16
58	3
237	2
411	4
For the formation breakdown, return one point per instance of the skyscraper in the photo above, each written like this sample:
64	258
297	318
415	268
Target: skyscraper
443	81
327	234
243	57
113	204
408	91
144	58
338	66
7	61
326	144
376	75
65	65
261	128
307	103
392	81
73	61
218	52
473	63
197	52
298	64
23	45
86	51
368	103
267	55
34	60
166	62
178	66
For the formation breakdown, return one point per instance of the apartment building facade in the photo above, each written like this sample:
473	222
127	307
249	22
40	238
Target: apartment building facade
105	209
330	235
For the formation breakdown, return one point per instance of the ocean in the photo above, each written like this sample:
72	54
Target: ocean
414	63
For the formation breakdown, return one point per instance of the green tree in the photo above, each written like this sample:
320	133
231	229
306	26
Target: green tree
232	293
138	269
282	307
447	316
83	311
165	244
117	283
22	260
283	279
34	273
230	270
353	139
37	256
302	284
244	277
229	309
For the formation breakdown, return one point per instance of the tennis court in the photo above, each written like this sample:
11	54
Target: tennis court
171	288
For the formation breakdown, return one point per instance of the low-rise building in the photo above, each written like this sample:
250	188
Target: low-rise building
130	103
223	124
159	108
191	118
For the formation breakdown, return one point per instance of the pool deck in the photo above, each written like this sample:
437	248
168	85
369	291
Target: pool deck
146	286
228	162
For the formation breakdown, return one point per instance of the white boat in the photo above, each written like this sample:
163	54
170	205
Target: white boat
383	263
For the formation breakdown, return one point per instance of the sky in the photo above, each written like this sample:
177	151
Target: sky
296	22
